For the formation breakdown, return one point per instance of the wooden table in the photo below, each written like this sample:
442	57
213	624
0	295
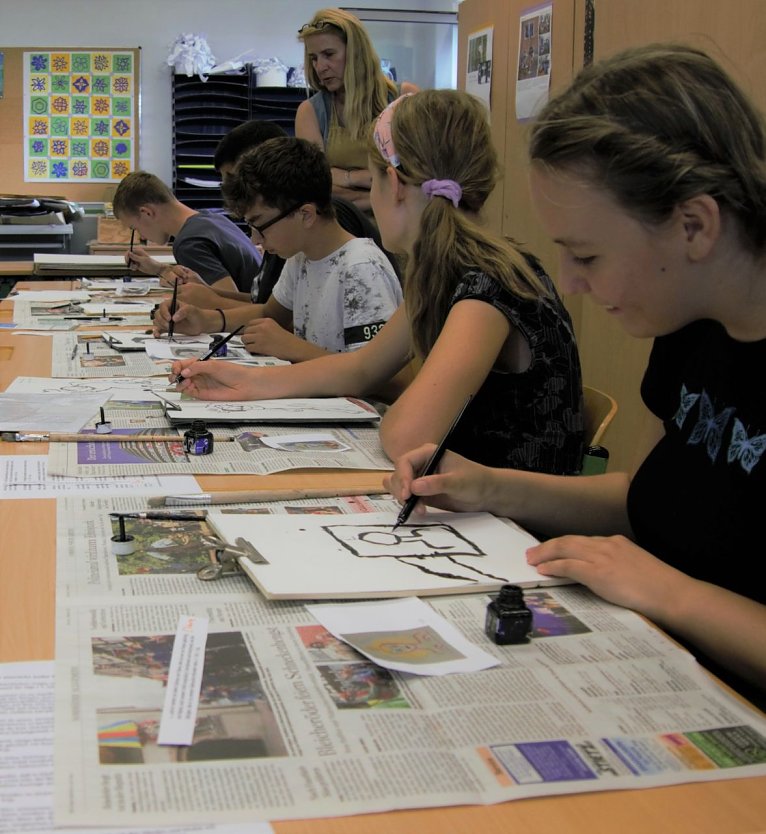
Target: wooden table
15	268
27	527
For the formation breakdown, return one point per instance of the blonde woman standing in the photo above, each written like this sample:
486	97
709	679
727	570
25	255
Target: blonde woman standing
342	66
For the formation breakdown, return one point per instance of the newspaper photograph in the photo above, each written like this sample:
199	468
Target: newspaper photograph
292	722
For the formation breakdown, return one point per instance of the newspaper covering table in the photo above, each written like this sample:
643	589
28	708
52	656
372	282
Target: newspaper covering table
83	356
45	315
292	723
339	448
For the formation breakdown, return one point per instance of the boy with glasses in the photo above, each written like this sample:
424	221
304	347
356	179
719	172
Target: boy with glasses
335	291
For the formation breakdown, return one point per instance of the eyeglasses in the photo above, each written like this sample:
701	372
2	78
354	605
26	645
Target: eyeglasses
319	25
281	216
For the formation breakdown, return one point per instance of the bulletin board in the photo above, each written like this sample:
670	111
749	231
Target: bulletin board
69	120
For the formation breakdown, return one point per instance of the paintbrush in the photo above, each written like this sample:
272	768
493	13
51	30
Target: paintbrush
246	496
173	304
215	347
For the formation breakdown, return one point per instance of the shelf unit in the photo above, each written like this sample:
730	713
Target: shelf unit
204	111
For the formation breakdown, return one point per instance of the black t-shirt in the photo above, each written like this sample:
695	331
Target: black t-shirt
696	502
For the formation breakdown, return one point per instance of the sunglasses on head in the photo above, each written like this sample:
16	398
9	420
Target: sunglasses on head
318	25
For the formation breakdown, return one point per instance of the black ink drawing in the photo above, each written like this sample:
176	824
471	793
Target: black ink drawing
417	541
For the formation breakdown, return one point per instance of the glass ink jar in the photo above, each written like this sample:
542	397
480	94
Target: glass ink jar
508	618
198	440
216	340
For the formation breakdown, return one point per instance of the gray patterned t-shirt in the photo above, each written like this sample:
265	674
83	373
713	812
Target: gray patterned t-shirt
343	300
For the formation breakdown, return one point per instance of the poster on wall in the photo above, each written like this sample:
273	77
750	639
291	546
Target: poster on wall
533	76
79	115
478	77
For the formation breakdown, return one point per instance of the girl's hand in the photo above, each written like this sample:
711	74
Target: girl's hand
213	380
458	484
613	567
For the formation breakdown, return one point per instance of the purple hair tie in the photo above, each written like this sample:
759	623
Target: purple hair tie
443	188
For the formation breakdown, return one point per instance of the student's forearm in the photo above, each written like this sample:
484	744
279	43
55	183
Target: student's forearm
301	351
333	375
558	504
241	314
231	299
729	628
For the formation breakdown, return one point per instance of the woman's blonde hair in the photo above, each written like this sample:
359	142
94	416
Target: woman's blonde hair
444	135
366	87
657	125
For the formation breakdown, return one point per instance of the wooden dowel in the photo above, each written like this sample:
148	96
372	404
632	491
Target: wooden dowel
246	496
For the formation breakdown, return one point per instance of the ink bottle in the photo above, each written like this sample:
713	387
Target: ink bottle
198	440
508	618
218	351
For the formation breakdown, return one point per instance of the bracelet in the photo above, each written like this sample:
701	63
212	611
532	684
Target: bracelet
223	319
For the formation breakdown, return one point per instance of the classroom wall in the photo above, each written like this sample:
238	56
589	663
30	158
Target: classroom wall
229	26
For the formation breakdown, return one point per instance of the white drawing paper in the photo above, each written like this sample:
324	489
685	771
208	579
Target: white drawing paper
312	410
363	557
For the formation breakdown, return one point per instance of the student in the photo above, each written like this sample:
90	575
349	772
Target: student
482	317
342	66
335	291
239	139
208	243
650	174
192	289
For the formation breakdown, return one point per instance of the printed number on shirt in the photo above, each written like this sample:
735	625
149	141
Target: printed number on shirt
362	332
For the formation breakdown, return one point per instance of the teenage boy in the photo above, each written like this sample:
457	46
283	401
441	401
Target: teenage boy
335	292
206	242
239	139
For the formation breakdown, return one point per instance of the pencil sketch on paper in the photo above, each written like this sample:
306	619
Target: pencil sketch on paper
416	542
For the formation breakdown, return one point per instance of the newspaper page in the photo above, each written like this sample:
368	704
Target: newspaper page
168	553
26	768
82	356
35	314
293	723
120	388
247	453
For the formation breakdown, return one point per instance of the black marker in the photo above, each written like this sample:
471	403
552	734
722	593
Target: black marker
173	302
217	346
430	467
